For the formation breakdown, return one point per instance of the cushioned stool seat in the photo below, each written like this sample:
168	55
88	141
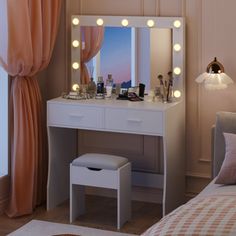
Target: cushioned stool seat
100	161
101	170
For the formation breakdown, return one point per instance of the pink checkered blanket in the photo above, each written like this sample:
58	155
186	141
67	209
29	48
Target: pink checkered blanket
202	216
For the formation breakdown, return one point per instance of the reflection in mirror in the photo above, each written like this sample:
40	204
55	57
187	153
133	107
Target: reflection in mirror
154	55
114	56
133	55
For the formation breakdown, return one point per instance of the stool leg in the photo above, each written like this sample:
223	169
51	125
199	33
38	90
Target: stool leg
124	195
77	201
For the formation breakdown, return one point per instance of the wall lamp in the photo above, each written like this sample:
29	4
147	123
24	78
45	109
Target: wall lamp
214	77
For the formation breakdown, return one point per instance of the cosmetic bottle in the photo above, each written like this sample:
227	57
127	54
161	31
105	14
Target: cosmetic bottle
100	88
92	88
170	91
109	86
170	88
141	90
162	89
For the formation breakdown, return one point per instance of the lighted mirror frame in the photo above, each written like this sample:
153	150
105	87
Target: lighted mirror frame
177	25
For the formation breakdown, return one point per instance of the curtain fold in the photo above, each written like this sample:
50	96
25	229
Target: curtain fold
27	37
92	36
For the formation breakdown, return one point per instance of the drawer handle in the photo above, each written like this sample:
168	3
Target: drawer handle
94	169
134	120
76	116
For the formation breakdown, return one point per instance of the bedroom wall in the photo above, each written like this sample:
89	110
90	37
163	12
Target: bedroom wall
210	31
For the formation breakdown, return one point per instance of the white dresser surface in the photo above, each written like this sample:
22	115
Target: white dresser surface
114	103
109	115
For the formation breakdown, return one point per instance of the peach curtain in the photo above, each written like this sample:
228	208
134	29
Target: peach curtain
92	37
27	37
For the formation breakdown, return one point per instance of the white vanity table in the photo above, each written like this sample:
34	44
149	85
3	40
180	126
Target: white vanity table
65	117
166	120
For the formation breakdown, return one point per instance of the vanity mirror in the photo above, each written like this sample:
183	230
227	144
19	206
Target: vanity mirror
133	49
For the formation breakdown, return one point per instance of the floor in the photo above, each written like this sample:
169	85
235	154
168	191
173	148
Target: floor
101	213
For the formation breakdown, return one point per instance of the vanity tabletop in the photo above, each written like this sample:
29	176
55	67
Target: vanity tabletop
116	104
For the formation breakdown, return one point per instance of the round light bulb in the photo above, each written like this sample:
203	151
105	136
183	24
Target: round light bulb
177	24
177	71
125	22
177	94
75	65
100	21
75	87
177	47
75	21
150	23
75	43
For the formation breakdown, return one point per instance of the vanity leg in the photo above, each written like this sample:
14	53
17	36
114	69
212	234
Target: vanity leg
124	195
62	150
174	160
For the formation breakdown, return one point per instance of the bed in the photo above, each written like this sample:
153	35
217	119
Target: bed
213	211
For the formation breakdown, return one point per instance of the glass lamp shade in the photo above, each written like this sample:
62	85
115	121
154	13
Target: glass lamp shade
214	77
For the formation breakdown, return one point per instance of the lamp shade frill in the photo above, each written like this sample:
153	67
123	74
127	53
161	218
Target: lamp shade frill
214	77
214	81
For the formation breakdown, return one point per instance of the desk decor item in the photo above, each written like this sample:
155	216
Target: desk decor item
133	94
151	96
109	86
79	92
214	77
92	88
141	90
165	91
169	95
100	88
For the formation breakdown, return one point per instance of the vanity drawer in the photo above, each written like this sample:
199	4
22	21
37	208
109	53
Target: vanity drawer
136	121
75	116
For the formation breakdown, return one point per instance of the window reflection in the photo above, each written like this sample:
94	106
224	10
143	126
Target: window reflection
114	57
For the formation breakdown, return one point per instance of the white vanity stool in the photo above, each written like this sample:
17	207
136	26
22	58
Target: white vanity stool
105	171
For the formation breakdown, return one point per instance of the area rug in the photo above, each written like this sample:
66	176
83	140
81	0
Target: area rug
44	228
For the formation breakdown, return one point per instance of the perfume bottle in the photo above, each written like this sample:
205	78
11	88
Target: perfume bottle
100	88
92	88
162	88
170	88
109	86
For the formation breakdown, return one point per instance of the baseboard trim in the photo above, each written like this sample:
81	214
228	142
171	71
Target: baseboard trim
189	196
197	175
195	183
